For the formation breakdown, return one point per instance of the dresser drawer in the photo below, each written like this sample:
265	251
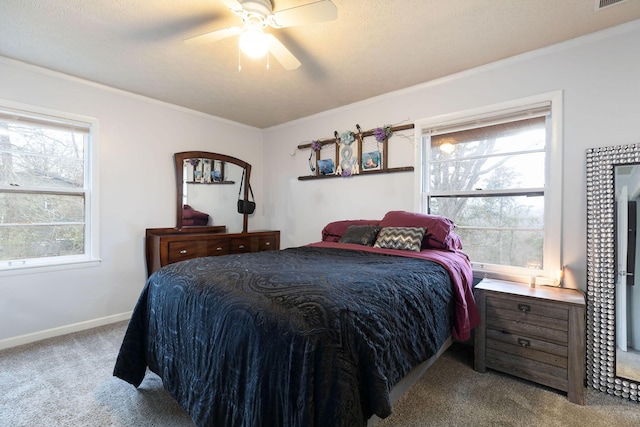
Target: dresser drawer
180	250
217	247
268	243
168	245
240	245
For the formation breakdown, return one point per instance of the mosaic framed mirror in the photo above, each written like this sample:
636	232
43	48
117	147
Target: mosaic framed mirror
613	185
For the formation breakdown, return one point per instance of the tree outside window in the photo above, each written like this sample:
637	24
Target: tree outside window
490	181
43	187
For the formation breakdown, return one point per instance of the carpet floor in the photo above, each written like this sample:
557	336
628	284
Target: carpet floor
67	381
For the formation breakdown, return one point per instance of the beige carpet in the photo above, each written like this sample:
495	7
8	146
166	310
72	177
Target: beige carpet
67	381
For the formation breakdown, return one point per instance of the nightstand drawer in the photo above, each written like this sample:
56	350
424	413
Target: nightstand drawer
528	369
526	341
527	307
528	353
548	329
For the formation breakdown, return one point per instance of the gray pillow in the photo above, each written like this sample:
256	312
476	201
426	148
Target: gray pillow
403	238
360	235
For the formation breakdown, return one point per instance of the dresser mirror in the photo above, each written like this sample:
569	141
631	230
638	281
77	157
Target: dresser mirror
613	327
208	183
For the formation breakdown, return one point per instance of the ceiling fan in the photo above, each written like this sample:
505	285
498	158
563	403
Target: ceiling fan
256	15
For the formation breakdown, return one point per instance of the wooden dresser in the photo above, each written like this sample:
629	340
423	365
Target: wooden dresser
168	245
533	333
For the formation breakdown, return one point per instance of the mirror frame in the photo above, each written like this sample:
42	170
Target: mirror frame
179	162
601	269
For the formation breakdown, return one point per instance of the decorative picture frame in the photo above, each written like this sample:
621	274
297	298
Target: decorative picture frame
326	158
197	172
371	161
326	167
217	171
187	170
206	171
374	154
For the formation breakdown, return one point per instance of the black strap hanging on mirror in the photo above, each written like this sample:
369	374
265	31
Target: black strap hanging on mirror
245	206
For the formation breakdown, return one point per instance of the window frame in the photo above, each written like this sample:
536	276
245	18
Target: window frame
553	241
91	256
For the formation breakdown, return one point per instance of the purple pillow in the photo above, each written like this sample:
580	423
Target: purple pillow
333	231
439	233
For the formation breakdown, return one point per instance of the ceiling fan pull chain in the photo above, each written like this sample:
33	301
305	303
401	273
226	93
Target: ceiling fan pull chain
268	60
239	55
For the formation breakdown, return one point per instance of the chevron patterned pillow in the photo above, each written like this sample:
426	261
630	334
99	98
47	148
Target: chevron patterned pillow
404	238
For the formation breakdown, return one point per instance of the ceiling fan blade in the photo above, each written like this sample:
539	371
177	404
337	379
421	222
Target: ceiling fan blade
282	54
213	36
234	5
319	11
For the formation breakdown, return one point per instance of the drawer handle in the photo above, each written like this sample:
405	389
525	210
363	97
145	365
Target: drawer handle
184	251
268	244
241	247
218	249
524	308
524	343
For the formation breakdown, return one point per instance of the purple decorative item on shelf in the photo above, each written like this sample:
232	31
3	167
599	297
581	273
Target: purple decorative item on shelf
316	145
382	133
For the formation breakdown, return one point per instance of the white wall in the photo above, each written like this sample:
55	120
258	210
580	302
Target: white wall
598	75
600	79
137	139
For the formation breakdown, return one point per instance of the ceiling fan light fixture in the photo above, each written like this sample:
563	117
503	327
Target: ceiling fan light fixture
253	42
256	15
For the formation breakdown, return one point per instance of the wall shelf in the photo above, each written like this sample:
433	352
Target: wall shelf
359	150
210	183
374	172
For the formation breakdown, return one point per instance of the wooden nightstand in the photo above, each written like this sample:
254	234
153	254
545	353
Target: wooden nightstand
533	333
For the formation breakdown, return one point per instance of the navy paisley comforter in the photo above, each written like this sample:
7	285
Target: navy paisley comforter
305	336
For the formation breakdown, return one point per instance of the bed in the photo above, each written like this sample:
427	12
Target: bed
316	335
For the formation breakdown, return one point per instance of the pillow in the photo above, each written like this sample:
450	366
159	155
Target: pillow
439	228
334	230
360	234
404	238
456	241
189	213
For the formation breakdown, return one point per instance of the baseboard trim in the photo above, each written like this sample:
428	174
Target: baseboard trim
62	330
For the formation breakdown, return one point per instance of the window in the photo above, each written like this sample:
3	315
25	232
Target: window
495	173
46	212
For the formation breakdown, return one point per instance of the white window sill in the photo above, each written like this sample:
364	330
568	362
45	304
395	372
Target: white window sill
45	268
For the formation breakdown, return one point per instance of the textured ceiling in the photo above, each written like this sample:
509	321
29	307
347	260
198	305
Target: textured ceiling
374	47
